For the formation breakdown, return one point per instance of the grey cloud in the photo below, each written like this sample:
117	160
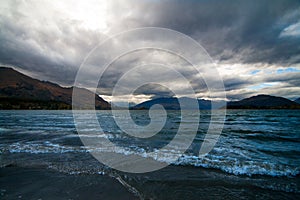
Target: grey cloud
52	48
292	79
239	31
154	90
236	83
232	32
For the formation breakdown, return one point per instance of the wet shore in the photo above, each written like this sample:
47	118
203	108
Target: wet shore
37	183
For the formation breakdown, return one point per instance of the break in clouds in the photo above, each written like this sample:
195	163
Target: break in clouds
256	44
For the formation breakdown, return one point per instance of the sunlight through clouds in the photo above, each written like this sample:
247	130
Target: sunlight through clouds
50	39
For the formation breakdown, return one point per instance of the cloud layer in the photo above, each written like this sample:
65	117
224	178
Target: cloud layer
253	42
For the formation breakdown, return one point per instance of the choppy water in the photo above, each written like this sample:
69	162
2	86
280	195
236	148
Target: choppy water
257	148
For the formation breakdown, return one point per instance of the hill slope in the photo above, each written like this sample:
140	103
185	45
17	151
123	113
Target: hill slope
263	102
172	103
18	91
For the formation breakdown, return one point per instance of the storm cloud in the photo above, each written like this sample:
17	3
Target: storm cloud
252	42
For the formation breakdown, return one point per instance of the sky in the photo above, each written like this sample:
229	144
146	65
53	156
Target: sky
254	44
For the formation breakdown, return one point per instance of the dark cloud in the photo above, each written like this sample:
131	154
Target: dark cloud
291	79
154	90
43	40
243	31
234	83
52	48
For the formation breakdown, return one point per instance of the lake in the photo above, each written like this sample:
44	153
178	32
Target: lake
257	154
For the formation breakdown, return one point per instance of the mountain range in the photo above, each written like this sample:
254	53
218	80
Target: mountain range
255	102
18	91
263	102
172	103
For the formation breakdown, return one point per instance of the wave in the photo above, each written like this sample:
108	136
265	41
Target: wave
214	160
4	129
237	167
36	148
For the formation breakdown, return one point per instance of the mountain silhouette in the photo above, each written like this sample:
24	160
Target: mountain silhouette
172	103
18	91
263	102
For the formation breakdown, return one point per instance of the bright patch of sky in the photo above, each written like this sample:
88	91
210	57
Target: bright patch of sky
291	31
254	72
286	70
262	85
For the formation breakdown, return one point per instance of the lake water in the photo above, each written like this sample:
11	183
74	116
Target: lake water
257	155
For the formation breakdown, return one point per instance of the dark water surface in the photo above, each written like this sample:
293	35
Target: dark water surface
256	156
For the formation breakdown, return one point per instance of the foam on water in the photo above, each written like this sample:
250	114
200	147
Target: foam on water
213	161
4	130
237	167
249	145
36	148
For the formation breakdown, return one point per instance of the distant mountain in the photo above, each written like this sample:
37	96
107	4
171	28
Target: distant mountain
172	103
18	91
263	102
169	103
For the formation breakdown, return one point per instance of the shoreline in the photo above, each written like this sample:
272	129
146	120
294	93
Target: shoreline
39	183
